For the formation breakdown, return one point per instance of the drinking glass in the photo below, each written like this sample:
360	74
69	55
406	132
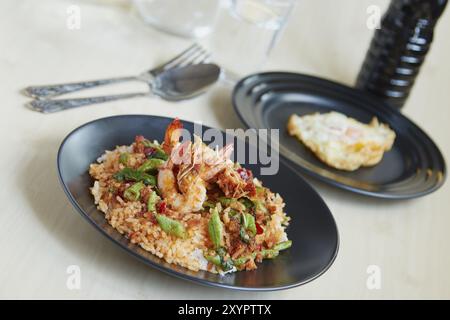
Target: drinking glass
186	18
245	33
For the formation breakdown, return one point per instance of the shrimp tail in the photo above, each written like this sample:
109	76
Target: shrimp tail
172	135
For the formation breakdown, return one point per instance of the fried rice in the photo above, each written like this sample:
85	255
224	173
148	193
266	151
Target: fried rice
238	224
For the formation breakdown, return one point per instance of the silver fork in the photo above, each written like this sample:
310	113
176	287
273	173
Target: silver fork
192	55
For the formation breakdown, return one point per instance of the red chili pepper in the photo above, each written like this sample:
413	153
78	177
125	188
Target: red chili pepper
161	207
259	229
148	151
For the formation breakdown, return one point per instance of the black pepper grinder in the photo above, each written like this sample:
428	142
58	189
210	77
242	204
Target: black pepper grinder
398	49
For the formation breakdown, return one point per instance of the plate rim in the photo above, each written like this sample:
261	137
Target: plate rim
175	273
300	169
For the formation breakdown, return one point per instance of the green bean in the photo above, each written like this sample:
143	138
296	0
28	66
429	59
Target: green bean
150	164
226	264
244	221
233	213
133	192
266	253
226	201
240	261
123	158
221	251
171	226
248	223
152	201
283	245
220	260
214	260
269	253
215	228
251	225
150	144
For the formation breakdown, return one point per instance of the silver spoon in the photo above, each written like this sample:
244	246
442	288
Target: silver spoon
172	85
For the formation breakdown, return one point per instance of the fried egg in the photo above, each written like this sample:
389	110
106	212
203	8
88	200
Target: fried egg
340	141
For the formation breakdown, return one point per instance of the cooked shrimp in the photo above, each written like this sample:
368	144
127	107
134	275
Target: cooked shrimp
189	201
186	190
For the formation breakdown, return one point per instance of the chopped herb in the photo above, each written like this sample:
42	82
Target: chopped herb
208	204
244	236
149	179
247	202
150	164
220	260
226	201
134	175
123	158
227	264
159	152
266	253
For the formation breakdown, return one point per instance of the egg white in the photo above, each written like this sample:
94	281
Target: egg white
340	141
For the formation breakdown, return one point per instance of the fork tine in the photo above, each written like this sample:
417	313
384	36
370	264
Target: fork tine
203	59
184	57
181	56
200	56
188	58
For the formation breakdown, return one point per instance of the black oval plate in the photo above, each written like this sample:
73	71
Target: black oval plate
312	229
413	167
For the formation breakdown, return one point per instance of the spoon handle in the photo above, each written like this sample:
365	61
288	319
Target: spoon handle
54	90
49	106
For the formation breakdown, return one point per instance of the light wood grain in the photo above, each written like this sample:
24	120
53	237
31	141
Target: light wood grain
42	234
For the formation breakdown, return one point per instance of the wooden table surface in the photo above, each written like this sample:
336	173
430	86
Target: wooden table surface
42	235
